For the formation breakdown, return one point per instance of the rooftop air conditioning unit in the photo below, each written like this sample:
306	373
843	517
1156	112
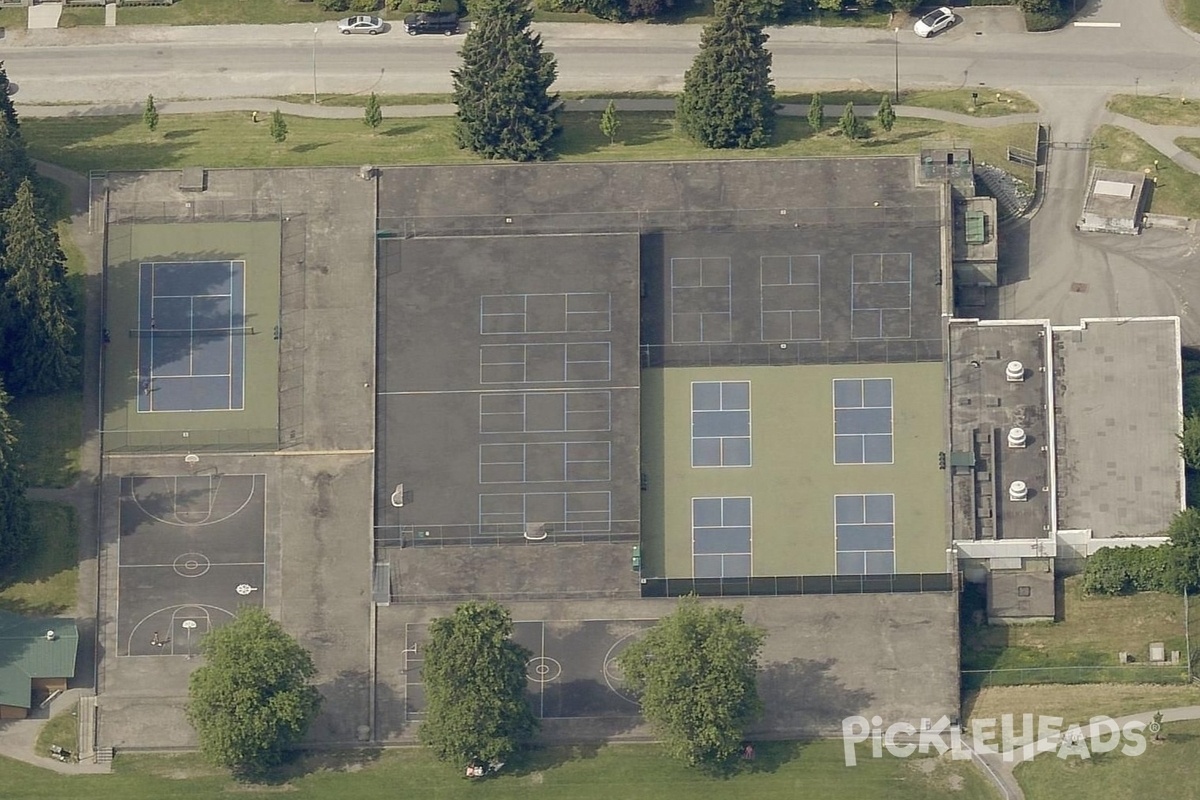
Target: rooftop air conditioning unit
1014	372
1016	437
1018	492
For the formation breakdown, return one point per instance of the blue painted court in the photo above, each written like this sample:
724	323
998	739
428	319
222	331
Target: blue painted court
191	336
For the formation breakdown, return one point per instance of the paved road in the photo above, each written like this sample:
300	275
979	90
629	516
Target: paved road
127	63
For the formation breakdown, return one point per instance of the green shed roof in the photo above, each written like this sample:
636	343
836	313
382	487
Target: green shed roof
28	652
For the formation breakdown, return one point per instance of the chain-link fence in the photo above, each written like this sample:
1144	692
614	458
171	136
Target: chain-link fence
1026	676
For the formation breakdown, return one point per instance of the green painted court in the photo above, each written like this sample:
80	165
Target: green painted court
191	353
793	480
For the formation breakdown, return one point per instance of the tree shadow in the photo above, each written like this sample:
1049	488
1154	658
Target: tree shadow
181	134
397	130
804	700
309	147
301	763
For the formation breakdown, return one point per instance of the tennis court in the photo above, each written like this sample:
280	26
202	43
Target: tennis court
191	336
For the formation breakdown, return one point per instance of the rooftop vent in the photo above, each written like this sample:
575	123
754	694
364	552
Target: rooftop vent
51	636
1016	437
1018	492
1015	371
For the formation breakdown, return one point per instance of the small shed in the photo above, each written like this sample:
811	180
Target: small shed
1114	202
37	658
1020	595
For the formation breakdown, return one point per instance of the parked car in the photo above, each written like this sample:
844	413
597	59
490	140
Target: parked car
934	22
443	22
361	24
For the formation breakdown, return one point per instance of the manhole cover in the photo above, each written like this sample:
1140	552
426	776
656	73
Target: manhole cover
1079	288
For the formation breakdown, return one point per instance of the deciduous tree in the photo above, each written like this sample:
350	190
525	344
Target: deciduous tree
1183	552
37	355
474	676
502	90
728	99
610	123
695	673
252	698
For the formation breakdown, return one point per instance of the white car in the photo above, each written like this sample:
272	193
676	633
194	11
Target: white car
363	24
934	22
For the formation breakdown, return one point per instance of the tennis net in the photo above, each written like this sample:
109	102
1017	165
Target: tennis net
146	333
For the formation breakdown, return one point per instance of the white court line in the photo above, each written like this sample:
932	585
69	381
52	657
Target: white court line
1096	24
187	377
211	564
503	391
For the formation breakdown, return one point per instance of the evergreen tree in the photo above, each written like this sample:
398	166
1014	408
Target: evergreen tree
502	90
38	355
7	110
150	114
15	531
610	123
816	113
373	116
279	127
851	127
887	114
15	165
728	99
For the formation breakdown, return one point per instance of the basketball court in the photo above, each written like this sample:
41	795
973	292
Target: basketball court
572	673
190	552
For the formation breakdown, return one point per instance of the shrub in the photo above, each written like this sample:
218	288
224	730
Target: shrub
363	6
334	5
1123	570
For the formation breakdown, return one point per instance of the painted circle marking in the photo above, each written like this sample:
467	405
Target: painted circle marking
191	565
542	669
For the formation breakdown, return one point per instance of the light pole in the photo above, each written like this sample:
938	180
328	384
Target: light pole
896	38
315	29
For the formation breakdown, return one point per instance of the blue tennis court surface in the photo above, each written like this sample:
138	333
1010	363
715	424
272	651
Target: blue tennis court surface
191	336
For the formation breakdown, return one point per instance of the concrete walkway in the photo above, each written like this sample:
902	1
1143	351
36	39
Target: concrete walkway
1000	770
18	737
43	15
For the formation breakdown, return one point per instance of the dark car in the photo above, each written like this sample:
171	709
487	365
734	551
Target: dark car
446	23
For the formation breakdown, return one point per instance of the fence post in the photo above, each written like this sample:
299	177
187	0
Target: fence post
1187	634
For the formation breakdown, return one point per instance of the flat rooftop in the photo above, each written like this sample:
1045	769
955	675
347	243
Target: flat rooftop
1119	405
1114	194
508	389
987	407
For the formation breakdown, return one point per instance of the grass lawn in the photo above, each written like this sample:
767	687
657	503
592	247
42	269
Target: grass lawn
62	730
782	770
75	16
956	100
1075	703
1178	190
46	582
1187	12
1166	769
232	140
225	12
50	437
1156	110
1091	632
